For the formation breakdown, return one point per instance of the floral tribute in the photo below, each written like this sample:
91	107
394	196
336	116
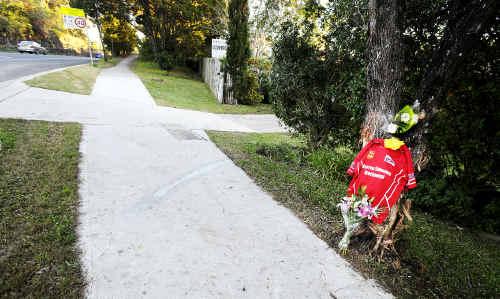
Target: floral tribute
355	209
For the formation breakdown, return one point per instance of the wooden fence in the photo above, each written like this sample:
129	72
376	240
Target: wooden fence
218	81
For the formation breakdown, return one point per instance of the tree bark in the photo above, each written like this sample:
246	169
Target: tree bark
385	63
469	20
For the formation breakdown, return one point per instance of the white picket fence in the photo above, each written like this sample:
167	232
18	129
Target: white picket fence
211	72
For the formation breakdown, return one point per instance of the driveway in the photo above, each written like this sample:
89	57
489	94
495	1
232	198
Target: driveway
165	214
14	65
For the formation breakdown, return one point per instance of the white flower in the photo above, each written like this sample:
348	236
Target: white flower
405	117
392	128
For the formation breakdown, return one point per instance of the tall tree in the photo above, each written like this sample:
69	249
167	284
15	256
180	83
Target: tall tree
385	66
119	36
238	51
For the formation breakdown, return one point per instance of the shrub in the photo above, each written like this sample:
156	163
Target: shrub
146	51
251	86
331	162
318	82
262	68
281	152
166	60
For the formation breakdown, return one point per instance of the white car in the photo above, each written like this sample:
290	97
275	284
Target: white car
27	46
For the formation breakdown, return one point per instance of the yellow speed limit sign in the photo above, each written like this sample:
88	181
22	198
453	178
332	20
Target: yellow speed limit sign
73	18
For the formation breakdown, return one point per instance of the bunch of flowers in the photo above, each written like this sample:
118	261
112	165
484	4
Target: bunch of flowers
355	209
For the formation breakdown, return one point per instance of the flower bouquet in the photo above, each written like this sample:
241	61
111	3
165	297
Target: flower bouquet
355	209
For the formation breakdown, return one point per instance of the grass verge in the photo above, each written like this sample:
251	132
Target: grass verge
38	210
78	79
437	259
181	89
101	63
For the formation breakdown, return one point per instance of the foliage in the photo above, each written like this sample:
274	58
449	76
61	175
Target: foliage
119	36
179	28
437	259
267	18
109	12
166	60
262	68
318	81
461	183
244	81
463	137
318	77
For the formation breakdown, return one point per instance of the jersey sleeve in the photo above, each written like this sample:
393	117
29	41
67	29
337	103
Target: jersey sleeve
412	182
353	170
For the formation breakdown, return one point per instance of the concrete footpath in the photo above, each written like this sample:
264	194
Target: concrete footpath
165	214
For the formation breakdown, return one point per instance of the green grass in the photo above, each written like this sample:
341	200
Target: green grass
38	210
78	79
437	259
181	89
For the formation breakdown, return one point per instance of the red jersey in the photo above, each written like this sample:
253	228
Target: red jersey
384	172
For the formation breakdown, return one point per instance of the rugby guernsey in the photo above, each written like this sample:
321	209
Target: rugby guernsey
385	172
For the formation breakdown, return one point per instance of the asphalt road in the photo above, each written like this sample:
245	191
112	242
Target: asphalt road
14	65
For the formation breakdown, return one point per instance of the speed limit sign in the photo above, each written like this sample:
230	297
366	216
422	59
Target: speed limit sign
80	22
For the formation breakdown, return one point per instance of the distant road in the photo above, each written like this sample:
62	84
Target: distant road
14	65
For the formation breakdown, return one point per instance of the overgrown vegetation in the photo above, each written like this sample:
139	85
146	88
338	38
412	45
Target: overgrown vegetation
119	36
176	31
317	80
38	210
318	87
181	88
437	259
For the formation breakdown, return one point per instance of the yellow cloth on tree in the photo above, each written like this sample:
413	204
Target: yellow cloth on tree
393	143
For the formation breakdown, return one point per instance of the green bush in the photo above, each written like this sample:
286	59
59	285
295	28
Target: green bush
146	51
251	86
166	61
262	68
281	152
318	82
330	162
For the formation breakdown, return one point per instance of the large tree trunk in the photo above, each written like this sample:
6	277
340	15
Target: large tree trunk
384	70
384	85
468	21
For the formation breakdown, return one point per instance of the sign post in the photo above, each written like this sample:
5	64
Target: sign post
74	18
219	48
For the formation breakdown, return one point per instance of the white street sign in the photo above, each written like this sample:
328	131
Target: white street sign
74	22
219	48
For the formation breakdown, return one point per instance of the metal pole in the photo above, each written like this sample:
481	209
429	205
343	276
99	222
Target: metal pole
90	48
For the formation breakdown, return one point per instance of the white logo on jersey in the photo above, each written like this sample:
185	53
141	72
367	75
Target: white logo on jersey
389	160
